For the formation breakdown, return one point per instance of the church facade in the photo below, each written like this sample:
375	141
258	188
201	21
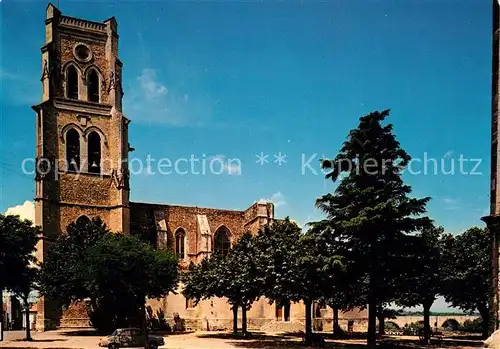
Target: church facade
82	151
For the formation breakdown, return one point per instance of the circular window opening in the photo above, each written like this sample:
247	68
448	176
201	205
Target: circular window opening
82	53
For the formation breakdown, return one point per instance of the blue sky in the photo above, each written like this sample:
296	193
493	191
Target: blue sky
232	80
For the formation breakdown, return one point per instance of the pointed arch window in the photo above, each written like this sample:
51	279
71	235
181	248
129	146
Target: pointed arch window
93	86
72	82
94	152
222	244
73	150
180	248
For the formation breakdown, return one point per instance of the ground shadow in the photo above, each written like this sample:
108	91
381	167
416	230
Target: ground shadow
168	334
269	344
252	336
82	332
434	342
41	340
476	337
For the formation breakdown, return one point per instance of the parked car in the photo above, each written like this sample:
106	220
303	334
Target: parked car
130	337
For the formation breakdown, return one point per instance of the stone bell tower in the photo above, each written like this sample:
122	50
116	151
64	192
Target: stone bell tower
81	133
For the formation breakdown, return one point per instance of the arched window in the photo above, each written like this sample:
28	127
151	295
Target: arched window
180	236
94	143
221	241
93	86
73	150
83	220
72	82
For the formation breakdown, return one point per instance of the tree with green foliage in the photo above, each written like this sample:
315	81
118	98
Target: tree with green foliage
371	210
384	313
467	281
60	274
424	281
235	277
122	270
337	283
107	269
293	268
242	277
204	280
18	239
336	297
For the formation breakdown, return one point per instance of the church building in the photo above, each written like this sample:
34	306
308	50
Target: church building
82	151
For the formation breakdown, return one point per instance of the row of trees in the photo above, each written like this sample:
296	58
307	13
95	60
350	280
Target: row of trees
279	263
285	265
393	253
374	248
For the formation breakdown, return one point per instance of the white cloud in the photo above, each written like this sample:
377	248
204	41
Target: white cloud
25	211
151	101
6	75
278	199
152	88
230	166
452	203
450	200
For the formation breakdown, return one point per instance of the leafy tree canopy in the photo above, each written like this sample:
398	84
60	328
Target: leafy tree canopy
18	240
115	272
371	211
468	274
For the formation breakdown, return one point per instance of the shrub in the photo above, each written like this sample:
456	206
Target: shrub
389	325
413	329
473	326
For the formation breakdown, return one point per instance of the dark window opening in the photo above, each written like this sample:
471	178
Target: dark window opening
94	142
72	83
73	150
283	313
278	313
93	86
189	303
221	241
83	220
287	312
179	244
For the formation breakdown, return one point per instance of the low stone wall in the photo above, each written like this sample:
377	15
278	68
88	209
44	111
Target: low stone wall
253	324
326	325
75	323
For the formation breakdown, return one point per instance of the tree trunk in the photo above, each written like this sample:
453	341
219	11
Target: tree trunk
308	338
235	318
381	324
27	313
244	319
485	316
427	322
336	327
144	326
372	321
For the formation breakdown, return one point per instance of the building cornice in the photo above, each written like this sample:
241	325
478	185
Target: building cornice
80	106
